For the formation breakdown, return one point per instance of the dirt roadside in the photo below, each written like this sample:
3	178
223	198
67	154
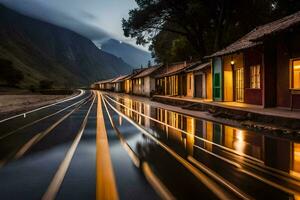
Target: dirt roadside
15	104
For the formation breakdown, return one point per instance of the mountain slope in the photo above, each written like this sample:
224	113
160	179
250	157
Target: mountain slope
45	51
130	54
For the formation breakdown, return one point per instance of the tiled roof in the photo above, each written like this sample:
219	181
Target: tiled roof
253	38
173	69
106	81
146	72
198	66
120	78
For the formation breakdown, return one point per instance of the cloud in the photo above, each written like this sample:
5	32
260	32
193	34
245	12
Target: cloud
88	15
97	20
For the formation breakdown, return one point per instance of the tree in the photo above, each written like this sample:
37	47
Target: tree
285	7
9	74
176	16
168	47
207	25
161	47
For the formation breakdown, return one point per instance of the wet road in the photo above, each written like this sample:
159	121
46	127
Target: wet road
115	145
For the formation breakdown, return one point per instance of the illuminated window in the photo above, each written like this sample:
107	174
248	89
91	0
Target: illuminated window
255	77
295	74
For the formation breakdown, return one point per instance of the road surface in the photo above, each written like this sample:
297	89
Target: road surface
110	146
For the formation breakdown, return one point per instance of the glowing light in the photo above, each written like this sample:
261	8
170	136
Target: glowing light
297	67
239	135
232	62
239	144
296	197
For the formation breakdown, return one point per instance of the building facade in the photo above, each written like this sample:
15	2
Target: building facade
119	83
171	80
261	68
105	85
199	81
144	82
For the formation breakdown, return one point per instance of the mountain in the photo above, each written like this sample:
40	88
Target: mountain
46	51
130	54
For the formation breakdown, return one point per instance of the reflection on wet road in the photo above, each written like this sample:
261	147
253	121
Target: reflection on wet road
110	146
243	163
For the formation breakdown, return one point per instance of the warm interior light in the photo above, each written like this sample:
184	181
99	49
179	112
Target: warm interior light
232	62
297	67
240	135
296	74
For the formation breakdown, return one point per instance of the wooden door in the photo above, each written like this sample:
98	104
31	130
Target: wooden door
199	86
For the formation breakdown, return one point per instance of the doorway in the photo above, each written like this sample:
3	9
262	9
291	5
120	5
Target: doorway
199	86
239	85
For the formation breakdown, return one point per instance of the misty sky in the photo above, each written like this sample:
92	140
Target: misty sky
95	19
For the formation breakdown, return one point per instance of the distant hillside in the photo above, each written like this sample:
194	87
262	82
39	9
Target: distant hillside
45	51
130	54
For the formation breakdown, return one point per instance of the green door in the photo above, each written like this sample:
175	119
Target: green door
217	79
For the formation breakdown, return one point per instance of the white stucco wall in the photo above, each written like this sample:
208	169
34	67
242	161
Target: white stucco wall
149	85
146	88
118	87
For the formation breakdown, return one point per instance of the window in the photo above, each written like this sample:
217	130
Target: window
190	82
255	77
295	74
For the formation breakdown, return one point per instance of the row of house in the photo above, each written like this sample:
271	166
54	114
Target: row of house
177	79
261	68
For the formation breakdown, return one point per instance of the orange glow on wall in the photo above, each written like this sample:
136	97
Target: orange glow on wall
190	85
209	85
128	86
229	82
228	86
